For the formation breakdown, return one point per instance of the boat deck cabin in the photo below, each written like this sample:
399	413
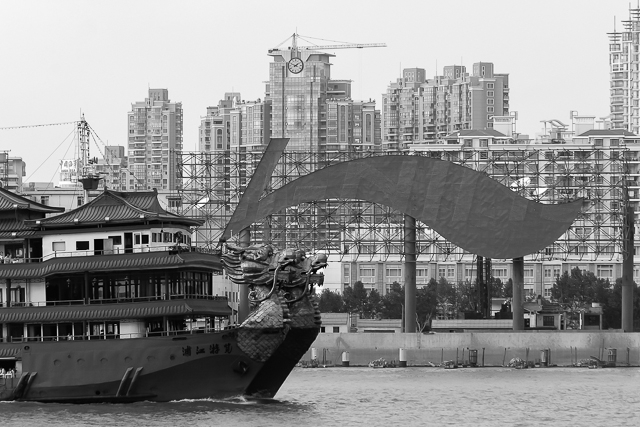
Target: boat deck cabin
118	267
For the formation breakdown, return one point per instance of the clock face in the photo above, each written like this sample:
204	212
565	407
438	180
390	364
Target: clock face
295	65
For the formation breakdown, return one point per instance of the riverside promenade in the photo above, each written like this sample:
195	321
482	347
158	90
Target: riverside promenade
565	348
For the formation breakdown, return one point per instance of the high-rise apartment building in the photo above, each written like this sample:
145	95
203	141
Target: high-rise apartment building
624	60
155	142
420	110
255	125
314	111
12	169
235	125
112	168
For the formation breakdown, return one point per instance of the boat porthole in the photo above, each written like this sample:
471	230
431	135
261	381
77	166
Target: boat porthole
172	357
97	392
26	347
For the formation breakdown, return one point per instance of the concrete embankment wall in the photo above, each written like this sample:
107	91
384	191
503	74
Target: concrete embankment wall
494	348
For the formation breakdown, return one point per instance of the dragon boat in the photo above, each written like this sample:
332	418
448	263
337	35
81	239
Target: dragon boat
111	302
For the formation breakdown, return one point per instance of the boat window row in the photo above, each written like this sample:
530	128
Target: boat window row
111	329
111	288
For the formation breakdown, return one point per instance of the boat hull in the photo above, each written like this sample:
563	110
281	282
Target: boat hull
128	370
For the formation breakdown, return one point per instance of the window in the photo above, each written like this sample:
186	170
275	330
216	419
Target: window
117	240
80	200
394	275
58	246
145	239
489	85
367	274
605	271
499	272
484	143
490	101
490	93
490	109
82	245
548	321
346	274
44	200
336	329
528	275
422	276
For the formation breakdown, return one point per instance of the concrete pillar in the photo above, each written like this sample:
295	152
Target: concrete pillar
518	286
243	291
409	274
627	270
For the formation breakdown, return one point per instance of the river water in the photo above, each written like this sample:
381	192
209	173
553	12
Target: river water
384	397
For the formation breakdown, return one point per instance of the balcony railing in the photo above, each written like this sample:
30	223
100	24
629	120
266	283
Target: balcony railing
120	251
117	300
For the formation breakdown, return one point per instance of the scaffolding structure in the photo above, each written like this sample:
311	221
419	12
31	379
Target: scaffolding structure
362	231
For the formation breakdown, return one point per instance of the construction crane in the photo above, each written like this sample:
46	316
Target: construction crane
343	45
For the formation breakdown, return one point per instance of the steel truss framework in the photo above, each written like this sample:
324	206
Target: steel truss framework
361	230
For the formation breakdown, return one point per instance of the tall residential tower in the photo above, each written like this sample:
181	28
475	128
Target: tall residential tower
420	110
314	111
624	60
155	142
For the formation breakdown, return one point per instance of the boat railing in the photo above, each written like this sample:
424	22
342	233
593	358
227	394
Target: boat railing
118	300
42	303
196	296
108	336
175	248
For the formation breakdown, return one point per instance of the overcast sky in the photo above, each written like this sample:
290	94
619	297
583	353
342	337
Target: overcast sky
61	58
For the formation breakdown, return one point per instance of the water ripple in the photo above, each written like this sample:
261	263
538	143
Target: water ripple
382	397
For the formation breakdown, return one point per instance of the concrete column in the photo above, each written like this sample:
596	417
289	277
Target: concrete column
518	286
409	274
243	291
627	270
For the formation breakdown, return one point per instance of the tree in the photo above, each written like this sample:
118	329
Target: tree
579	288
331	302
373	305
467	296
447	299
426	304
393	302
612	307
501	289
355	298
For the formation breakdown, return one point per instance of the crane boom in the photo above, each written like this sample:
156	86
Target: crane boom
343	46
295	47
